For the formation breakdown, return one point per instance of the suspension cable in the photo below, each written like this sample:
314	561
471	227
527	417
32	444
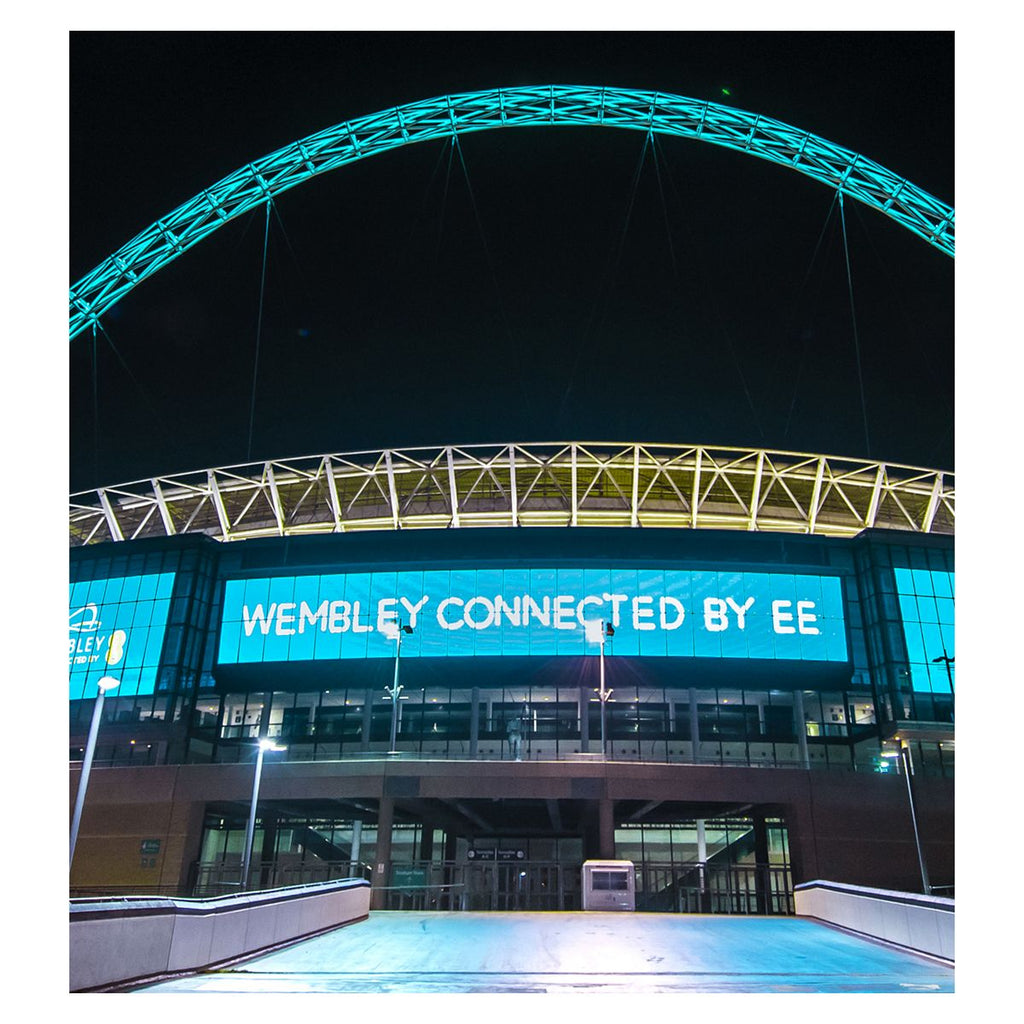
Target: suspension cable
95	411
803	286
856	339
444	202
614	259
514	349
737	363
259	328
664	208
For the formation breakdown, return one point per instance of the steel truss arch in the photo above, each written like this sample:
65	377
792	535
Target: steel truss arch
553	484
526	106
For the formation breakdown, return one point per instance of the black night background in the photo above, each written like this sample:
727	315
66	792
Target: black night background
546	284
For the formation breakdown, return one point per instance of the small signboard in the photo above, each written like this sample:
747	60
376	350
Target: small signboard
412	878
149	850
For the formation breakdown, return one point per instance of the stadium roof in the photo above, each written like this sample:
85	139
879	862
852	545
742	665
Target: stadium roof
542	484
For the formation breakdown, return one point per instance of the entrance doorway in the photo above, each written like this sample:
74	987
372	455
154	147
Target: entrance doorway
511	854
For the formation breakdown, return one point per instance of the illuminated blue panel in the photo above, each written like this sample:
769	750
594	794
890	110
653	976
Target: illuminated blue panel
927	609
514	639
116	628
467	612
480	611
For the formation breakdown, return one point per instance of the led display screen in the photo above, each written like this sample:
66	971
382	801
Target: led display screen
927	610
487	612
116	628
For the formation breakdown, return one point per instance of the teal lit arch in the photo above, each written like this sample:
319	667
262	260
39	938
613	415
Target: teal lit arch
524	106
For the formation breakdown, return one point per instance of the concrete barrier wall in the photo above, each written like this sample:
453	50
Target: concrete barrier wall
132	938
920	923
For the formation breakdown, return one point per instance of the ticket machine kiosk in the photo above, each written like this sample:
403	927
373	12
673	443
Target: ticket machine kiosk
609	885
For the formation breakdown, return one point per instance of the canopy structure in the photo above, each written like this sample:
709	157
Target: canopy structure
522	485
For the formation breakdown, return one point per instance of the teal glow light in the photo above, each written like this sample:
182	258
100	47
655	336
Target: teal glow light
116	627
444	116
468	612
927	608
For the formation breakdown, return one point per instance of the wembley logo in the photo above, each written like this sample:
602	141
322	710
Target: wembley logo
85	619
88	648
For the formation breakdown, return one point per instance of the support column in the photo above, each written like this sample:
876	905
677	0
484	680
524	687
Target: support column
694	726
800	724
762	883
704	896
584	717
606	828
357	840
382	856
364	733
426	841
474	722
267	862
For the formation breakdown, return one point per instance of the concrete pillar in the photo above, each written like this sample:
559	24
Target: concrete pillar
694	725
606	828
800	724
702	856
382	856
426	841
364	734
584	714
357	839
761	880
474	722
267	859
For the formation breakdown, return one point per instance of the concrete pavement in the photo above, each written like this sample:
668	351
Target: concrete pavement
577	952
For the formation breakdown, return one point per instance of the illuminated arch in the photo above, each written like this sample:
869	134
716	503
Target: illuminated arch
526	106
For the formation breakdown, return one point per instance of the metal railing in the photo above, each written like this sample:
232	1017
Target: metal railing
837	759
701	888
519	884
219	878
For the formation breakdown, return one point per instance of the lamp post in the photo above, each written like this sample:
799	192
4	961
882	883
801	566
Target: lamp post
250	828
106	683
948	661
395	631
598	633
905	761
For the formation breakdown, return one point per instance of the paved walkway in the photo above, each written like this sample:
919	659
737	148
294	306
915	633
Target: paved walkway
577	952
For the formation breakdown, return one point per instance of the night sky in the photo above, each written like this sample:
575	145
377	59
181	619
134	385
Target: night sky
545	284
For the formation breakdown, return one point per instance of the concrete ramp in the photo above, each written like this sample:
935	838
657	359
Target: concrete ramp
578	952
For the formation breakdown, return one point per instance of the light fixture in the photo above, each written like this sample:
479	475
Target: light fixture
262	747
102	686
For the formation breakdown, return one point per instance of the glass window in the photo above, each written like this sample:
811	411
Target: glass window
928	614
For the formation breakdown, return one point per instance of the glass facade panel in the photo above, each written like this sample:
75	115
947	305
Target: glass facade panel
927	609
113	631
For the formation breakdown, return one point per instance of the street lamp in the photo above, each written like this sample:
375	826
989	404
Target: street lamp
395	631
599	632
250	828
106	683
948	661
905	760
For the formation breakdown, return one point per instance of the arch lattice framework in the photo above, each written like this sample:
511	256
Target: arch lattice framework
513	485
254	184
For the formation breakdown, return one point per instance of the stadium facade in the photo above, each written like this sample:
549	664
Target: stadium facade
717	663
